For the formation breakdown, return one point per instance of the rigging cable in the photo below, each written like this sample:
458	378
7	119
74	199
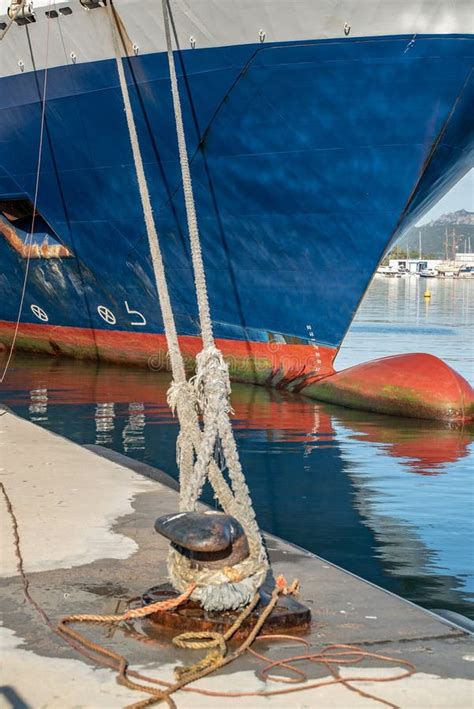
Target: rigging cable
35	200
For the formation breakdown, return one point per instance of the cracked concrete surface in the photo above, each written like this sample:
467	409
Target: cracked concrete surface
86	526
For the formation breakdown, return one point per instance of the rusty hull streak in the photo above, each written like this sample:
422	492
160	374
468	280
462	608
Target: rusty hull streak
122	30
32	251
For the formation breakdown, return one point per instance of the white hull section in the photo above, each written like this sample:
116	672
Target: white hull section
85	35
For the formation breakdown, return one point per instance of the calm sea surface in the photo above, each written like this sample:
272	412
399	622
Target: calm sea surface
389	499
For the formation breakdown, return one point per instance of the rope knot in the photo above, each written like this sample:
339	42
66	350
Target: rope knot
286	589
212	382
178	392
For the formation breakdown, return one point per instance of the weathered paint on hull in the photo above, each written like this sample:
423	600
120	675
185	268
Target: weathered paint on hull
415	385
273	364
307	159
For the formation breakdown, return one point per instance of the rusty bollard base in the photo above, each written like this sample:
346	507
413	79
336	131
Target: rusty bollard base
288	615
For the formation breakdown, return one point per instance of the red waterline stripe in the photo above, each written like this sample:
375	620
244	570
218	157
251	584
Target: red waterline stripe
266	362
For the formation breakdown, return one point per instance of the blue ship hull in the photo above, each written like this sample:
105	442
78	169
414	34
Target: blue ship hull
308	159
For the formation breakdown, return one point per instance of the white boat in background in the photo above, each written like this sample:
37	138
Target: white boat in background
391	272
448	269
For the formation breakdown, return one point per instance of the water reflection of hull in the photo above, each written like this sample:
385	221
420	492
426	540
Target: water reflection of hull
425	446
415	522
332	480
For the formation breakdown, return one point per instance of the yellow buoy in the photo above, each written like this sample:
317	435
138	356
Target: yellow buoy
427	293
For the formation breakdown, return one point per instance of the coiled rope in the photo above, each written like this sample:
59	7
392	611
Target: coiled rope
332	657
207	393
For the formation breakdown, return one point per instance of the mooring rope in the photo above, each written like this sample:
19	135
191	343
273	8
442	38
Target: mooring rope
212	387
208	392
35	198
193	229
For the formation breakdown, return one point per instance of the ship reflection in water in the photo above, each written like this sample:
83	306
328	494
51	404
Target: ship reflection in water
388	499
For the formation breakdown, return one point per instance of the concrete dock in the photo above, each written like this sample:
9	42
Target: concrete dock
85	521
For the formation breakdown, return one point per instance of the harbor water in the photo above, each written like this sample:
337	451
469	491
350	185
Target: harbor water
389	499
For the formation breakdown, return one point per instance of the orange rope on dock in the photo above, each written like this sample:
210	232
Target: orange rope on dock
332	657
167	605
134	613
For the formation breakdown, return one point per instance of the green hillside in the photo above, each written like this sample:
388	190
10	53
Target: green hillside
441	238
